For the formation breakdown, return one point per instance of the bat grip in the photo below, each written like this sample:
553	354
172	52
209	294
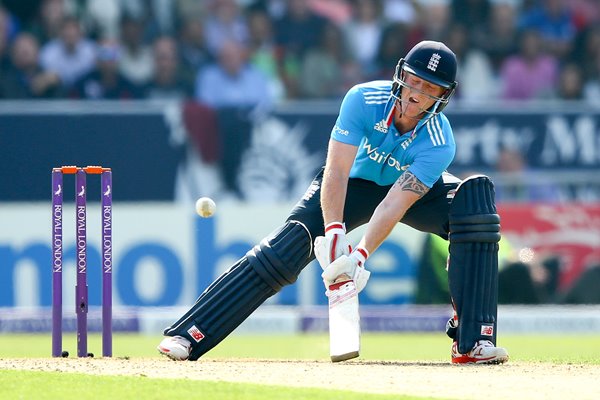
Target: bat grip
342	277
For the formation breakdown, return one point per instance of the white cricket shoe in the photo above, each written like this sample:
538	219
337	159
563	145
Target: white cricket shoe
484	352
175	347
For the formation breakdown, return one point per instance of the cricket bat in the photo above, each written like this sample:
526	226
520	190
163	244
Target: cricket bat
344	320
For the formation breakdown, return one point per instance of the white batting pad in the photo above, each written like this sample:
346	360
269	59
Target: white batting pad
344	322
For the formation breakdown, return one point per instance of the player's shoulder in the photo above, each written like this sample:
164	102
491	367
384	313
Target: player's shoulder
372	92
371	86
439	130
440	121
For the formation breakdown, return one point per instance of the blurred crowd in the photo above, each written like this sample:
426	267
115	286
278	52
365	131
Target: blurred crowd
248	52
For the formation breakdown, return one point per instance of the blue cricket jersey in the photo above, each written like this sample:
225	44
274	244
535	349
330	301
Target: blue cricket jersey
366	121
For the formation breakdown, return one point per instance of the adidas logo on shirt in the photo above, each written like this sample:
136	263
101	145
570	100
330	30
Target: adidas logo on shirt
381	126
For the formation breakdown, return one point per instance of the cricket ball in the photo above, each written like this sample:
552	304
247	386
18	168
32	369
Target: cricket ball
205	207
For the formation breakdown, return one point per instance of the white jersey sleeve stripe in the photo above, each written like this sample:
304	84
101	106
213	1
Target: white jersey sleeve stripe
437	123
376	92
433	140
377	97
436	132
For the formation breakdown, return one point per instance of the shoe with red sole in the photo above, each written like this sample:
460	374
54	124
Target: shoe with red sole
484	352
175	347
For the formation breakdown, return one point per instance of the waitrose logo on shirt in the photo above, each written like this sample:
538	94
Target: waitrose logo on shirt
381	157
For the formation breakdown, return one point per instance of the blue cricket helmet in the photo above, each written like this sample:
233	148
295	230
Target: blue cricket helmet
433	62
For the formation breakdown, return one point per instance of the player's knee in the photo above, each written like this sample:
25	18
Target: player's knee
473	216
280	257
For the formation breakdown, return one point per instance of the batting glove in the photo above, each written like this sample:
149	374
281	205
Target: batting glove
332	245
350	265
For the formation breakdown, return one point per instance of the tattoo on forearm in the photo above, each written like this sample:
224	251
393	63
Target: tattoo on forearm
410	183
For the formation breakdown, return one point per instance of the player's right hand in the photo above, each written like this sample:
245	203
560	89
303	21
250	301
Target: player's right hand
351	266
331	246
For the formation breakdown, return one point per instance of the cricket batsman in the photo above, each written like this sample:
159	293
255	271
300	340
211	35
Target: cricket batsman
386	163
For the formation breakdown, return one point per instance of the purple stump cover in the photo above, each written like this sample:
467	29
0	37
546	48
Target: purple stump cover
106	186
81	290
57	261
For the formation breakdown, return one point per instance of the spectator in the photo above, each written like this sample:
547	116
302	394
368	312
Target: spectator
136	62
163	16
232	81
225	23
434	19
393	41
49	22
591	88
586	50
325	67
476	75
167	82
235	88
193	52
585	288
295	32
585	12
22	10
158	16
263	52
337	11
555	23
570	83
500	34
299	28
400	11
531	73
105	82
26	79
363	33
189	9
71	56
517	183
102	17
4	33
586	55
472	13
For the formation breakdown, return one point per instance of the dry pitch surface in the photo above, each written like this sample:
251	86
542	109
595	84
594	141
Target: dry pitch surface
508	381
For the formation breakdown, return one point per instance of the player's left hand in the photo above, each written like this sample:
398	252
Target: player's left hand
334	244
351	265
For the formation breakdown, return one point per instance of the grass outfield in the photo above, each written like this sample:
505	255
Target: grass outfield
401	347
47	385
